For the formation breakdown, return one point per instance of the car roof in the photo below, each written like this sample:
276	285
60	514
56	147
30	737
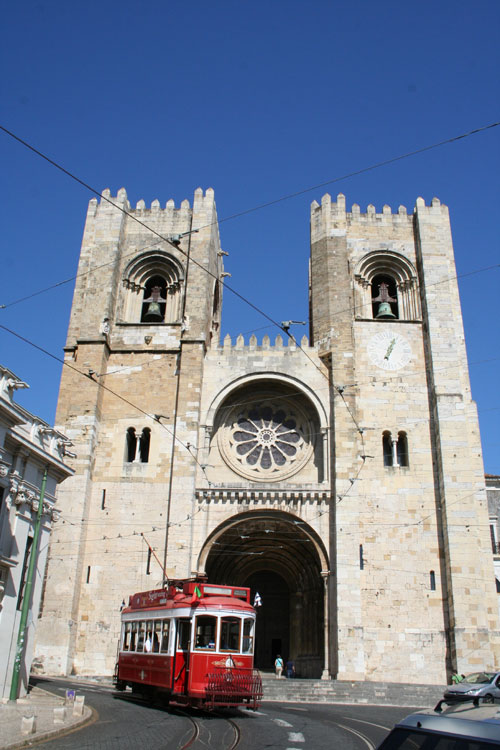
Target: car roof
462	720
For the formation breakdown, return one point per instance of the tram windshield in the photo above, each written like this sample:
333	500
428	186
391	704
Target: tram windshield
205	632
230	634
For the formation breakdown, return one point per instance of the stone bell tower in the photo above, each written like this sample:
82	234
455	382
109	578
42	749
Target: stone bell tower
412	574
144	312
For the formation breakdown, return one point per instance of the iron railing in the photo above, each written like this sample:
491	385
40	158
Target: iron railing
234	687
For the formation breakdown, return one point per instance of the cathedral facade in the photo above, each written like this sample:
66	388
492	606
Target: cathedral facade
339	476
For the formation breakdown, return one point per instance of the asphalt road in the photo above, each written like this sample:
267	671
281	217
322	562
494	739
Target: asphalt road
125	722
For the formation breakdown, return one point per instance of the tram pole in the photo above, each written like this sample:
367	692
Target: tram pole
14	688
177	394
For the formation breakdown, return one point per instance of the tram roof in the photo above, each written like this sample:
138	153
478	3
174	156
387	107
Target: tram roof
191	593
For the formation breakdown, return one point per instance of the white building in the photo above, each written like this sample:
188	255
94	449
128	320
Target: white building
493	494
28	447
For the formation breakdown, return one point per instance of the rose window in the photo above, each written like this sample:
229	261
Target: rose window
271	439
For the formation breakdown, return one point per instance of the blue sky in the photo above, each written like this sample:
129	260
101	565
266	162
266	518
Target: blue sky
257	100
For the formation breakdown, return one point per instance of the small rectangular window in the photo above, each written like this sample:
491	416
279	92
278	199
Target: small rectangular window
387	449
183	635
148	643
164	636
24	573
141	636
493	536
156	636
126	636
248	625
133	636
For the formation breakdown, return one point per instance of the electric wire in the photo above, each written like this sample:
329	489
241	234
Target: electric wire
247	211
255	208
186	446
286	197
259	207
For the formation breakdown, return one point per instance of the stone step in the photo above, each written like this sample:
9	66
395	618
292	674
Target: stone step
338	691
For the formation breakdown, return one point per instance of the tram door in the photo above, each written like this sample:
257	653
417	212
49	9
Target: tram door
181	663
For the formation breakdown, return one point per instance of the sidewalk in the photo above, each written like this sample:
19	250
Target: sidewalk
38	716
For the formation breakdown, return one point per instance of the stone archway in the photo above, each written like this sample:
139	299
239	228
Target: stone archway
282	559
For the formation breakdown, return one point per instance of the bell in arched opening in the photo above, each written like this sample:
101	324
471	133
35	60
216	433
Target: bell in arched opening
386	301
154	312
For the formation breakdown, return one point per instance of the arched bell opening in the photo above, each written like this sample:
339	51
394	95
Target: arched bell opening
154	300
281	559
386	287
384	297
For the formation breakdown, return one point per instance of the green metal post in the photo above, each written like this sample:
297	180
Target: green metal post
27	595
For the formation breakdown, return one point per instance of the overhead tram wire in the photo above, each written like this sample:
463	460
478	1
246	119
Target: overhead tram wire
104	387
241	213
357	172
157	234
138	221
247	211
259	207
161	237
174	437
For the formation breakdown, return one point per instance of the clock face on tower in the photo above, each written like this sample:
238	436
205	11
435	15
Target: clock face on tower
389	350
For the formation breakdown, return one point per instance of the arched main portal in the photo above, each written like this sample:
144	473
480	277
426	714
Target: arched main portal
282	559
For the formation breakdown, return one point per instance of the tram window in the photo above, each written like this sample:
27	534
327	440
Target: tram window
148	643
141	636
205	630
126	637
133	635
164	639
184	634
230	634
248	636
156	636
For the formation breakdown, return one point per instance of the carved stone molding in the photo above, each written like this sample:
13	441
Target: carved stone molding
261	496
20	493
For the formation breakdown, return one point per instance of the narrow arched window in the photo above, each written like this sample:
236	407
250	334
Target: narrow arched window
131	445
387	448
144	441
432	577
384	298
154	300
402	449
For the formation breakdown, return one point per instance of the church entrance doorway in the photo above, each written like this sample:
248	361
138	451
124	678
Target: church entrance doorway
272	636
281	559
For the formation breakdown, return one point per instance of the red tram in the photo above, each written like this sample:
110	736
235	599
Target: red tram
192	643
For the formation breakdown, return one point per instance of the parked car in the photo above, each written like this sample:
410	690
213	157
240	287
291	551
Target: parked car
485	685
462	726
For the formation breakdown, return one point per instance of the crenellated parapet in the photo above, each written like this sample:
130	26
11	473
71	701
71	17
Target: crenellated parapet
281	344
332	215
121	201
